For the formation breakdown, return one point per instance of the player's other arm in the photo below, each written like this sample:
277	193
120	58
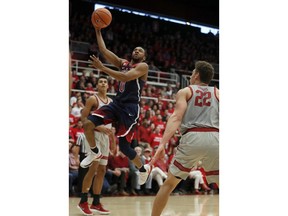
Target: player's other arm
108	55
140	70
173	123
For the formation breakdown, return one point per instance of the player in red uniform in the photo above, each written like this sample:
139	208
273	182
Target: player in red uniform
95	102
197	114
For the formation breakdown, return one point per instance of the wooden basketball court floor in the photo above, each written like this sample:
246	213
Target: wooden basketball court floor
178	205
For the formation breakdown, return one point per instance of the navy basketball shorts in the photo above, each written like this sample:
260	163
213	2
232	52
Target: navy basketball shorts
124	117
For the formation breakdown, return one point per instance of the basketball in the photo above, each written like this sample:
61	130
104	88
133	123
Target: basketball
101	18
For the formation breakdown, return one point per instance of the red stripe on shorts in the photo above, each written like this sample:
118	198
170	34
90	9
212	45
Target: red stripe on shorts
212	172
179	166
104	157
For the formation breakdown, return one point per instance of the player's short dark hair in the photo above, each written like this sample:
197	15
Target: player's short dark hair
205	70
102	77
145	51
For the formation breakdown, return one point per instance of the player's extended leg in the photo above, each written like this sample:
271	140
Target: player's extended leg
163	194
145	170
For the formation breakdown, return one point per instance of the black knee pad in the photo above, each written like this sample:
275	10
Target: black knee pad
125	147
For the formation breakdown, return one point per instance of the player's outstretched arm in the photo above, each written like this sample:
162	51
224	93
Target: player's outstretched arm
140	70
173	123
108	55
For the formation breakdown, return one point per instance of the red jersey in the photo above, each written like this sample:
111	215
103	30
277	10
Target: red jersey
170	111
121	162
155	139
161	124
144	133
76	132
72	120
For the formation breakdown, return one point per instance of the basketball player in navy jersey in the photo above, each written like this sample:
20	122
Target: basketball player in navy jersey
197	113
125	108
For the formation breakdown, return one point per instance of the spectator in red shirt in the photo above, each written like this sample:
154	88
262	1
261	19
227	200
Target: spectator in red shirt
78	130
143	103
149	116
159	123
144	133
160	105
142	115
151	130
119	166
164	102
153	116
89	87
170	108
156	137
155	108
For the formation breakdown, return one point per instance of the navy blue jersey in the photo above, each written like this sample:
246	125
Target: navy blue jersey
125	109
129	92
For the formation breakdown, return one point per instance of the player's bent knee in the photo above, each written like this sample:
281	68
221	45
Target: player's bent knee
88	125
126	149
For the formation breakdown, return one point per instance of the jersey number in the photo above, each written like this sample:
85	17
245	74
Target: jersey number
202	98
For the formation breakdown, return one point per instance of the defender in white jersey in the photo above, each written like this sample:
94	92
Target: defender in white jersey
197	113
103	136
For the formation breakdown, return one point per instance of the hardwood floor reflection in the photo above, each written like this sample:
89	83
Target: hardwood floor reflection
178	205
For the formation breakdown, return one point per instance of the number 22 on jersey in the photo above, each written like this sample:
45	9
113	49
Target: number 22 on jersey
202	98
